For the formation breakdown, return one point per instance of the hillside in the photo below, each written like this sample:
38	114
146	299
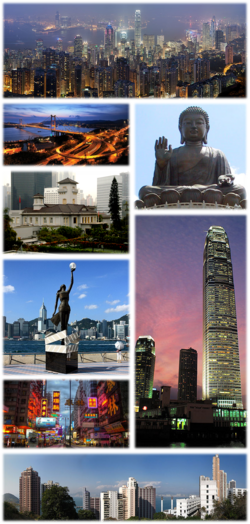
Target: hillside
87	323
8	497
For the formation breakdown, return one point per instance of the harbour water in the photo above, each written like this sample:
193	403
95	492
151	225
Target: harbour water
35	346
28	133
166	501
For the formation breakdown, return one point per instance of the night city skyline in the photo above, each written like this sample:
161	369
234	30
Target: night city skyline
169	265
130	51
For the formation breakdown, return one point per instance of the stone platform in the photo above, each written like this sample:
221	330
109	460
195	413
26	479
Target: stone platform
94	368
185	205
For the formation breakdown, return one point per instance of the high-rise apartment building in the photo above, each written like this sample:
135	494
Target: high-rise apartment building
48	485
221	479
146	502
78	46
137	28
111	506
187	383
208	494
221	364
29	491
229	55
85	499
145	365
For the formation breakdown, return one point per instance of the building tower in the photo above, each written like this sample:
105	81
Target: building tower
85	499
29	491
221	381
24	185
206	44
221	478
145	366
187	383
78	46
137	29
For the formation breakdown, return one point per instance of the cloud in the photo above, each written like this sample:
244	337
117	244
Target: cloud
83	286
28	301
240	178
82	295
113	302
154	483
8	289
117	484
116	309
92	306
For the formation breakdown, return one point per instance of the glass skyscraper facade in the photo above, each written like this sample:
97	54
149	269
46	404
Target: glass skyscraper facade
187	382
145	366
137	28
221	363
25	185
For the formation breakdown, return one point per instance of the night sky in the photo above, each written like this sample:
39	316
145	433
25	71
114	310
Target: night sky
111	11
169	286
40	112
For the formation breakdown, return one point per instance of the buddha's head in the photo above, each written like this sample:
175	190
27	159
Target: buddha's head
194	125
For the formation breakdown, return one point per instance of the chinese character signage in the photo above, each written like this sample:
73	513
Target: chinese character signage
56	401
44	407
92	403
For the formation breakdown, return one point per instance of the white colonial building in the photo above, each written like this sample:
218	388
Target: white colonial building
67	212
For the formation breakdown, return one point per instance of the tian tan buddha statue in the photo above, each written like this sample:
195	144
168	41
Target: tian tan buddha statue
193	171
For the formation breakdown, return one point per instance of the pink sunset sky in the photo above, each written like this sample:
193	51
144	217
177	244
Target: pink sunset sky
169	288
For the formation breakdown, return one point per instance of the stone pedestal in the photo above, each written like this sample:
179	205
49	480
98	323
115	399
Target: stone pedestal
62	358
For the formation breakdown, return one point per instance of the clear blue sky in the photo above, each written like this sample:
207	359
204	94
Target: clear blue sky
170	474
227	133
100	288
39	112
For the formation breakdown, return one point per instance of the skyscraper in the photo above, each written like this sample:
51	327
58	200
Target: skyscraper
78	46
25	185
145	365
221	365
206	43
187	383
221	478
137	28
29	491
42	318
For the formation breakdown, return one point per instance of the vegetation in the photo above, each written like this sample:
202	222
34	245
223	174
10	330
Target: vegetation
10	240
24	158
86	514
114	204
12	513
227	510
57	504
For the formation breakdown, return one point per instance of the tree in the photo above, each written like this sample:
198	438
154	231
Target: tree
10	240
159	516
57	504
86	514
230	510
114	204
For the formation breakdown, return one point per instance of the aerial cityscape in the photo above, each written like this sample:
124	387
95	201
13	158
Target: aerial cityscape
95	489
204	402
125	51
47	134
